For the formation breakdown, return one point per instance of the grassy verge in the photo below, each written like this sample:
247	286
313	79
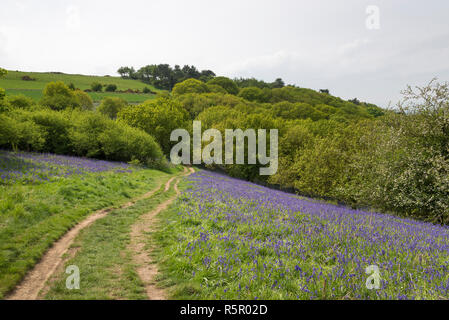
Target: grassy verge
32	217
106	267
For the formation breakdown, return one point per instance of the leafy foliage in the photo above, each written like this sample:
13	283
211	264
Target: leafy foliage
111	106
190	86
96	86
58	96
226	84
157	117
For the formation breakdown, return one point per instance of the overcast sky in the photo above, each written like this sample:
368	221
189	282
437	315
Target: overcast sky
314	44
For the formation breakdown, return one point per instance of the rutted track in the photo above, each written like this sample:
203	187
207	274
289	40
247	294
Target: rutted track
146	268
36	279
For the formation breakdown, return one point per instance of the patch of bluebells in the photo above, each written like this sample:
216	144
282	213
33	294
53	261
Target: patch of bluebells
27	167
256	241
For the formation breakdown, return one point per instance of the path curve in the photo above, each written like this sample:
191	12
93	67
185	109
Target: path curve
37	277
146	268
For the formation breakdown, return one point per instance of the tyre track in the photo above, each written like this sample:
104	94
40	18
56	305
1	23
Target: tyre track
146	268
36	279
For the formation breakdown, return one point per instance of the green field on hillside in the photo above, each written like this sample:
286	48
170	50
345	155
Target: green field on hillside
13	84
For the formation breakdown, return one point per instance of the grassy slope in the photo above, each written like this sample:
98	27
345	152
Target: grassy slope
13	84
34	216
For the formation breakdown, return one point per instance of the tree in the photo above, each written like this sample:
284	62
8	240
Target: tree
3	105
216	88
190	86
157	117
226	84
190	72
206	75
58	96
96	86
251	94
110	88
20	101
278	83
126	72
111	106
84	100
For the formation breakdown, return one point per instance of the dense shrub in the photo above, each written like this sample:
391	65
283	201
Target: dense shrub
406	164
76	132
58	96
122	142
4	106
110	88
20	134
190	86
196	103
96	87
216	88
54	127
20	101
110	106
226	84
157	117
252	94
84	100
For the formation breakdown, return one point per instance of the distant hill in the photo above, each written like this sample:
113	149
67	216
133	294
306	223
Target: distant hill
13	84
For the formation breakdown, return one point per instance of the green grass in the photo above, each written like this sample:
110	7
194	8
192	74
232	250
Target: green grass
32	217
104	259
13	84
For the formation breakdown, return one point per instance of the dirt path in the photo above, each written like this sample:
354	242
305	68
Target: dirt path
37	277
146	268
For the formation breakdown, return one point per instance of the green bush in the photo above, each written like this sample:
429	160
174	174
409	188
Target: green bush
226	83
110	88
125	143
20	134
252	94
216	88
157	117
58	96
96	87
55	127
94	135
4	106
84	100
20	101
190	86
111	106
76	132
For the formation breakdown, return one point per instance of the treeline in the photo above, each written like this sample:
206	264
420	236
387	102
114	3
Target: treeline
163	76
